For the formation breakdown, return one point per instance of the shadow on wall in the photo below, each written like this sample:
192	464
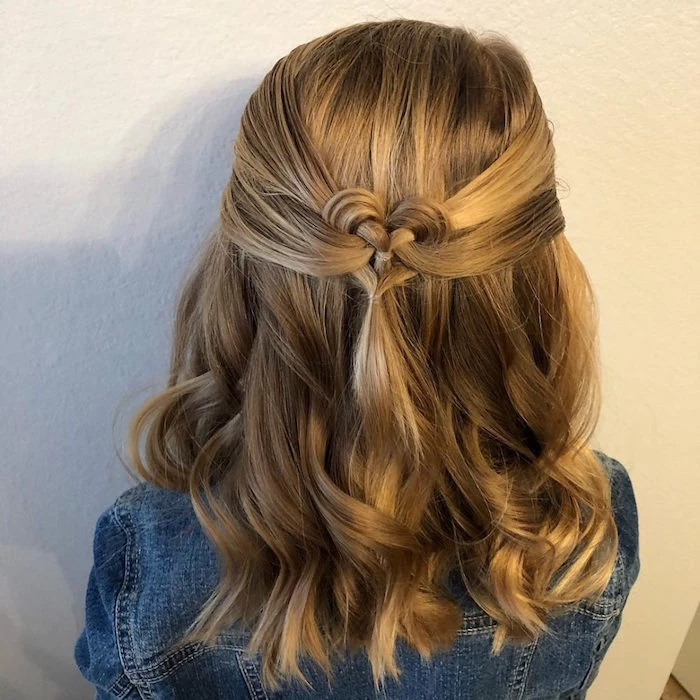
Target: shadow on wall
88	298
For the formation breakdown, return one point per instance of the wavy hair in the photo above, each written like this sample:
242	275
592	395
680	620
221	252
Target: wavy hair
384	365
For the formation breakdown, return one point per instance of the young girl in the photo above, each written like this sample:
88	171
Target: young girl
369	472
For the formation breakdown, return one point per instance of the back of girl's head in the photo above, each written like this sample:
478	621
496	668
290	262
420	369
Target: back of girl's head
384	361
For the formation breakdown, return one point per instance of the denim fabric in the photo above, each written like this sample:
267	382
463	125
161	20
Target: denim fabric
153	568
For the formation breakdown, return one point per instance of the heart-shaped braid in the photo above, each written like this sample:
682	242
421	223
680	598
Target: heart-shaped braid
411	222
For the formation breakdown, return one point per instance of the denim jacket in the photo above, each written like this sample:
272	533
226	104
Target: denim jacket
153	569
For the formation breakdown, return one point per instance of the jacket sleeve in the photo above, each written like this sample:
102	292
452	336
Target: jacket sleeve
96	651
627	521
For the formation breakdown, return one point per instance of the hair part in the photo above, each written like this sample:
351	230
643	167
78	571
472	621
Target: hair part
384	363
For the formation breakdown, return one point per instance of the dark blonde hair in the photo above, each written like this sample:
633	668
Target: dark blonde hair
385	361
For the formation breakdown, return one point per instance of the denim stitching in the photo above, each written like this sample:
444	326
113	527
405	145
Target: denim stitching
474	624
598	616
124	631
516	685
148	676
251	677
241	668
478	616
182	653
475	630
121	687
603	641
526	670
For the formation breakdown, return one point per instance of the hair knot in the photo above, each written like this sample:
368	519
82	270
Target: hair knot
427	219
360	212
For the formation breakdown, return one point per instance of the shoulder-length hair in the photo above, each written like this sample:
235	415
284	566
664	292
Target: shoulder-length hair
384	363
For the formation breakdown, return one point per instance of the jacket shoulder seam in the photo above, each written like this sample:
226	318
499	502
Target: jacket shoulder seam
124	631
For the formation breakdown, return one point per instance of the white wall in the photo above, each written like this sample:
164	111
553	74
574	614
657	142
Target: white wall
117	121
687	669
